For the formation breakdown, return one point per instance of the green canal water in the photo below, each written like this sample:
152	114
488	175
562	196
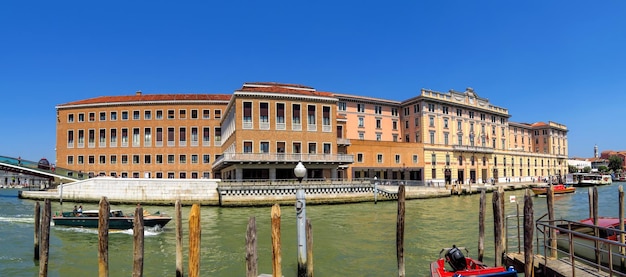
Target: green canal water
349	240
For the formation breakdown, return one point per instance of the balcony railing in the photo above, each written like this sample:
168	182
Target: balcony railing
467	148
283	157
343	141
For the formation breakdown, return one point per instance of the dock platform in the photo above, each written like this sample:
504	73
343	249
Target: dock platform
554	267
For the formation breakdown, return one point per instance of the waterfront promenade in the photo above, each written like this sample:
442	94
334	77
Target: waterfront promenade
214	192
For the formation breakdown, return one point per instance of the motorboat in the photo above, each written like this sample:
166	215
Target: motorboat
588	179
455	263
117	219
584	238
557	189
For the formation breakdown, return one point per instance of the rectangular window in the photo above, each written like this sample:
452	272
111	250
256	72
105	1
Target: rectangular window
194	114
311	114
92	138
206	158
194	159
159	114
263	112
297	148
147	115
70	159
113	137
206	114
206	136
247	147
81	159
124	115
70	118
326	115
147	159
113	159
147	136
159	136
280	112
113	116
327	147
359	157
103	116
170	136
136	140
360	108
135	159
312	147
397	158
182	138
218	114
341	106
265	147
182	159
170	114
159	159
379	158
81	117
102	138
296	114
170	159
135	115
124	159
247	115
182	114
194	136
92	117
70	138
218	135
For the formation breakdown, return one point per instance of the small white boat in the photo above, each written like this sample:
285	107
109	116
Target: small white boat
588	179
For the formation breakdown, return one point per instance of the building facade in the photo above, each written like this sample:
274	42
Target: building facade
263	130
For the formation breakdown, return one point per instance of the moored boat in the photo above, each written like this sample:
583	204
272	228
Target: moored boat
117	219
588	179
558	189
584	240
460	265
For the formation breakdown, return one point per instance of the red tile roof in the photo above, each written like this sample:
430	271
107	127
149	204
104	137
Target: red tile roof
150	98
270	87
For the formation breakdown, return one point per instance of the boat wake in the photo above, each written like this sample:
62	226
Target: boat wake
17	219
147	232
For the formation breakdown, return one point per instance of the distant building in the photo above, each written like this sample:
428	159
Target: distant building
263	129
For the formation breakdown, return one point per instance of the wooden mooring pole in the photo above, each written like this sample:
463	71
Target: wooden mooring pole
622	251
138	243
194	241
550	200
400	231
45	239
37	231
276	258
481	225
179	239
594	212
103	237
251	254
529	226
497	226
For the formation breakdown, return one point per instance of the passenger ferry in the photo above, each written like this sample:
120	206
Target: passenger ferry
588	179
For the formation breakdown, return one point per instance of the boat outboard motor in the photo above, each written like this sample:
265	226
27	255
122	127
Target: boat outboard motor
456	259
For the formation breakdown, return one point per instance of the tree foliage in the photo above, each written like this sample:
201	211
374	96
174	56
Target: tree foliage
603	168
587	169
572	169
615	163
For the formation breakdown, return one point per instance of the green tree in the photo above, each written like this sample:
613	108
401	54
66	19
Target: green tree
572	169
603	168
615	163
587	169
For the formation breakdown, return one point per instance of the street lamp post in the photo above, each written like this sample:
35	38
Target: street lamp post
300	172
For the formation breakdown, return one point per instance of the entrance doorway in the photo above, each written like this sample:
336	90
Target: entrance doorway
461	176
448	176
472	176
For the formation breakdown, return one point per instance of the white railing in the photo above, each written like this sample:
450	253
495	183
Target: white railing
311	127
296	127
282	157
247	125
264	125
327	128
281	126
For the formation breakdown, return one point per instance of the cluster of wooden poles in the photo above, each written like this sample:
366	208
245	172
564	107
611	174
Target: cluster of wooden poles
42	236
42	239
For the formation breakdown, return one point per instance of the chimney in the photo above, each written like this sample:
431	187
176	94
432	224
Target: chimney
138	93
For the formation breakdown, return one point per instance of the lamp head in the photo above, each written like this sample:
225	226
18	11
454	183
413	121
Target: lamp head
299	171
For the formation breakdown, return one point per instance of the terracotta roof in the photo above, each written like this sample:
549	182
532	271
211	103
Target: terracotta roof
270	87
539	124
150	98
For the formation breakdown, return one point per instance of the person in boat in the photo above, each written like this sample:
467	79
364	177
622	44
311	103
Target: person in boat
75	210
80	209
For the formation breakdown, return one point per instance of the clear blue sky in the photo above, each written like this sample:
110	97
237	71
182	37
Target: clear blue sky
562	61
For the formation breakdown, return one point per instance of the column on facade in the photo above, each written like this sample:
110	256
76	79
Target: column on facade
333	173
272	173
239	173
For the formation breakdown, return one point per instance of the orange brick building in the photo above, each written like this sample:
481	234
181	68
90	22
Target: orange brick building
262	130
